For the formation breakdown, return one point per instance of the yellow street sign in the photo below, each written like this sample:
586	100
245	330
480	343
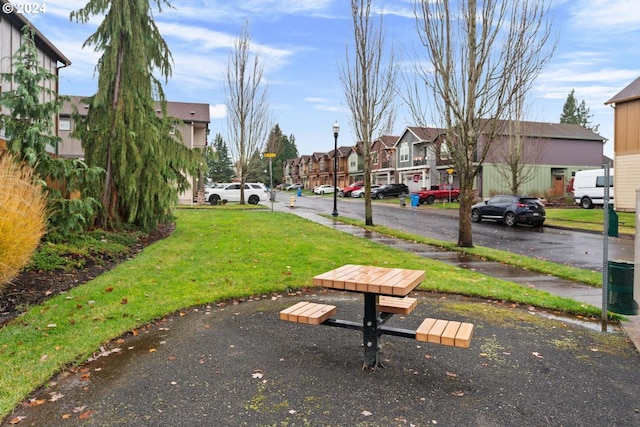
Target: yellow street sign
450	171
269	154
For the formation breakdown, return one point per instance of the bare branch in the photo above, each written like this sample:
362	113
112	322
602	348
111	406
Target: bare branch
484	54
368	80
247	106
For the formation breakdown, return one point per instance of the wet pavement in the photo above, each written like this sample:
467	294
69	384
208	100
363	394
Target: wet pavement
239	365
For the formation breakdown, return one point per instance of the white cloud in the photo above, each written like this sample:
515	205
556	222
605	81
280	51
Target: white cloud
218	111
609	15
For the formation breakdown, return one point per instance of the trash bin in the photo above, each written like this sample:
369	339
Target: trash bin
415	200
620	288
613	222
299	192
273	196
403	197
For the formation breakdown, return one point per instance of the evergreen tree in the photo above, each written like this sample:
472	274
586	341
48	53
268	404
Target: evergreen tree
219	165
123	134
577	113
29	130
284	148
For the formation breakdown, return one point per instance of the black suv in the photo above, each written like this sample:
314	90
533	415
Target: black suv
512	210
389	190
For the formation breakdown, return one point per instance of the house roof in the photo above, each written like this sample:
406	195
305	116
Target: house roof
387	141
188	112
425	133
18	20
632	91
530	129
553	131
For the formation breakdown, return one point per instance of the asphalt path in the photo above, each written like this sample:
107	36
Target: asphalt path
576	248
239	365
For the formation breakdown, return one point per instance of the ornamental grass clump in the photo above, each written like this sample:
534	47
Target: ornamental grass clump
22	217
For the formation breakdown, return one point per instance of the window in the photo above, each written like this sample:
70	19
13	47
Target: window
600	181
444	151
64	124
404	152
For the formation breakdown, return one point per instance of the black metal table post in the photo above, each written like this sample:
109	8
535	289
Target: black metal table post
370	331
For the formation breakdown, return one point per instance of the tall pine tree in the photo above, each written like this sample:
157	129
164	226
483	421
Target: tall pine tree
144	164
219	165
577	113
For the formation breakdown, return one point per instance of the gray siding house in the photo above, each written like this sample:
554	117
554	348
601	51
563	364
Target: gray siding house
11	39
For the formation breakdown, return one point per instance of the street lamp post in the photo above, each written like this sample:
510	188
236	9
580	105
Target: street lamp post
336	129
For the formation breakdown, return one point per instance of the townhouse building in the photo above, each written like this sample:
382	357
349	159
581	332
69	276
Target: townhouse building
419	158
626	147
11	38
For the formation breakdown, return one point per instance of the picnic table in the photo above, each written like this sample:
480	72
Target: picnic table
385	293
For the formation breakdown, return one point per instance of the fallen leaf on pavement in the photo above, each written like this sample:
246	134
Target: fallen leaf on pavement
55	396
85	415
16	420
36	402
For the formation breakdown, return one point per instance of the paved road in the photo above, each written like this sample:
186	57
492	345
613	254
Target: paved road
580	249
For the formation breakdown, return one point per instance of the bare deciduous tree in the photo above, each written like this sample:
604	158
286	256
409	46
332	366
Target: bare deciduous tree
517	159
247	107
482	54
369	86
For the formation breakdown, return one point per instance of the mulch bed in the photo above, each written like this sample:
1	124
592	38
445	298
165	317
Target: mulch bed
33	287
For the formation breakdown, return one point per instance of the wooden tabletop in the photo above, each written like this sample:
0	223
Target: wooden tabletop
365	278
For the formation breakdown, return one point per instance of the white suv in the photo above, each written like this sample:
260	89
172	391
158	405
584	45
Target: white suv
254	193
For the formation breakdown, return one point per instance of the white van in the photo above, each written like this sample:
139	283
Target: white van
588	188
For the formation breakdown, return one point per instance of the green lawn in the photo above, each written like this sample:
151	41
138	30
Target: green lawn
589	219
213	255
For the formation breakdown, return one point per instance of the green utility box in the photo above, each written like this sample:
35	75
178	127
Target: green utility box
620	288
613	222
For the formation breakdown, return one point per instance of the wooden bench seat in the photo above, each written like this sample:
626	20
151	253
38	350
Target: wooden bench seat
446	332
396	305
308	312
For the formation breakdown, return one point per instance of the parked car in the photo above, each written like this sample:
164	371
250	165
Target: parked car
588	187
346	191
324	189
389	190
254	193
512	210
437	192
294	187
360	191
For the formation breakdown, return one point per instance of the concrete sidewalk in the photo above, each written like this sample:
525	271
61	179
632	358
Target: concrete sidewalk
553	285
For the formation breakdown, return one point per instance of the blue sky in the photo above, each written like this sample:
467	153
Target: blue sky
302	44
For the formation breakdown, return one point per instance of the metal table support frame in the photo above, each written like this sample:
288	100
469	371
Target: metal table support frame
372	328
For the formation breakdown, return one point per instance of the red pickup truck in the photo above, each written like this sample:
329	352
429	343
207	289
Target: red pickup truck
441	191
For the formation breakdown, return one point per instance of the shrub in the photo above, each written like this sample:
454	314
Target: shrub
22	216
